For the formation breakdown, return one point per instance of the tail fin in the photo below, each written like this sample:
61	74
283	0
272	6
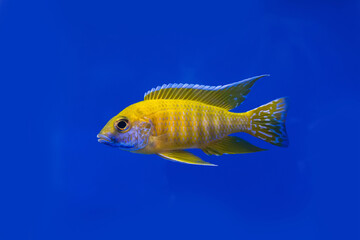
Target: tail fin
267	122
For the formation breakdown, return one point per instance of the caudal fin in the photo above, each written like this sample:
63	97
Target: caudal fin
267	122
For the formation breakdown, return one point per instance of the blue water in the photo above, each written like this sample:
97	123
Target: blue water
66	67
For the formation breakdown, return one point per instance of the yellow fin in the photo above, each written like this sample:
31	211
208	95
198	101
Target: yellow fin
227	96
230	145
184	157
267	122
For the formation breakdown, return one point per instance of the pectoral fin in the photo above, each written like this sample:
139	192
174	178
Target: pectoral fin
230	145
184	157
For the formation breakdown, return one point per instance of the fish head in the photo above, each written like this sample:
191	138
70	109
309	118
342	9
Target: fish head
126	131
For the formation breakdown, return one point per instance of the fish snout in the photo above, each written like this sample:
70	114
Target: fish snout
104	139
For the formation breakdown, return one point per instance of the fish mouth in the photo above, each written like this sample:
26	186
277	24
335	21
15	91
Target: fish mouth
107	141
103	139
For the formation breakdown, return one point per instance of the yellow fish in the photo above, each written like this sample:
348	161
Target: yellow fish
175	117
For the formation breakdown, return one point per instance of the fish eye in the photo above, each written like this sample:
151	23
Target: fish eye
122	125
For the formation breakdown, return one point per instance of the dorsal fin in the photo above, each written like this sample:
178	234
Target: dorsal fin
227	96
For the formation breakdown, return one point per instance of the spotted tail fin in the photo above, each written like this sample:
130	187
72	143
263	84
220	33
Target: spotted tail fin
267	122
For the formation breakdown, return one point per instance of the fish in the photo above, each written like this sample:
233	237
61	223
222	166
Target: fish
175	117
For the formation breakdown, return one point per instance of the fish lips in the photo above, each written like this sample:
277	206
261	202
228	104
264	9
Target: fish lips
108	141
105	140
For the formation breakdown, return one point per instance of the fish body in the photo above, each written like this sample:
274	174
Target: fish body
183	124
176	117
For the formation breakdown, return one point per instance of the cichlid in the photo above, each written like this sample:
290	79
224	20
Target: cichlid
175	117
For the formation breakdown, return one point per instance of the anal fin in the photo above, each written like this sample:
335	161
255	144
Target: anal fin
230	145
183	157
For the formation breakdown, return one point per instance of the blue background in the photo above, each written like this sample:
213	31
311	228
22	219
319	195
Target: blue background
66	67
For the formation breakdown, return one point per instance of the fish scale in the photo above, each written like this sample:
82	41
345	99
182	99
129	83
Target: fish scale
196	125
